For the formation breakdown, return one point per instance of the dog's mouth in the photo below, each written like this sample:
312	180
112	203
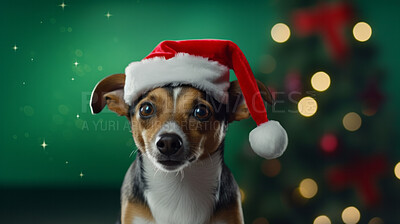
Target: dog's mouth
170	163
175	164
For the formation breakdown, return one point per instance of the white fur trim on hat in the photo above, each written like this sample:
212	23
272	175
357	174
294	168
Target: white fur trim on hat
269	140
200	72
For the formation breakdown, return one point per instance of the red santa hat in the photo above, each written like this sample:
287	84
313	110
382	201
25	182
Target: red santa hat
205	65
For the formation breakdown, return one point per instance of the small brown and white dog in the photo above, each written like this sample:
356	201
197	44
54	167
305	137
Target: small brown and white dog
179	175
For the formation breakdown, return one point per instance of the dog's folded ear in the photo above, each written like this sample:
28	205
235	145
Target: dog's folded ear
110	91
239	110
265	93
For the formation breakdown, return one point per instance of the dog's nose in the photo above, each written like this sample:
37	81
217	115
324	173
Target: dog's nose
169	144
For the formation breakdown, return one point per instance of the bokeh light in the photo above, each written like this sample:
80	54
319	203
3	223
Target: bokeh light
242	195
375	220
397	170
307	106
320	81
260	220
297	198
362	31
308	188
352	121
280	32
351	215
271	168
322	219
369	111
329	142
29	111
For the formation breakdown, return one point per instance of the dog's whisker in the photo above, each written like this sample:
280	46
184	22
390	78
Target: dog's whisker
144	154
155	173
182	175
133	152
198	155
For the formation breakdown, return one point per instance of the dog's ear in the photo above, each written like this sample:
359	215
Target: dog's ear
239	110
110	91
265	93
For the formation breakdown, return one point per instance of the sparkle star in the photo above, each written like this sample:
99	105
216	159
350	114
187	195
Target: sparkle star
44	145
72	78
77	116
108	15
76	63
63	5
81	174
15	48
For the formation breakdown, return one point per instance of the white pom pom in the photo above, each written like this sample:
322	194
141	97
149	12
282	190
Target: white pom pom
269	140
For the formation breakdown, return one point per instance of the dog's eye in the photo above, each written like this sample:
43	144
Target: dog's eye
146	110
201	112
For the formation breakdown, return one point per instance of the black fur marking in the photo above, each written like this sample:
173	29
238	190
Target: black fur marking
170	90
136	193
227	193
221	112
131	110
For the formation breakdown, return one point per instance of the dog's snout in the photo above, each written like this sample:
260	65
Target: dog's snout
169	144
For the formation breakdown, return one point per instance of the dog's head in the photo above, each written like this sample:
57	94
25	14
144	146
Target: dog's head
174	125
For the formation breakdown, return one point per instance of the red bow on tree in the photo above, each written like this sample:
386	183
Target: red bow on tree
361	174
328	21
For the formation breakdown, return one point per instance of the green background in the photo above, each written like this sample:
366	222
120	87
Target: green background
43	91
45	108
50	40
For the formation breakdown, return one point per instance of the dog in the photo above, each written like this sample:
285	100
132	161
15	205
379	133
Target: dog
179	175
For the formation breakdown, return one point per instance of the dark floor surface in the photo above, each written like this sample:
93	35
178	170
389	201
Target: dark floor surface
59	206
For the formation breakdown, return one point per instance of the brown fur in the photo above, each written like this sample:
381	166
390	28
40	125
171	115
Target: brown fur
115	102
231	215
132	210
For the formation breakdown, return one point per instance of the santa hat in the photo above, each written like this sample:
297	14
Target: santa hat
205	65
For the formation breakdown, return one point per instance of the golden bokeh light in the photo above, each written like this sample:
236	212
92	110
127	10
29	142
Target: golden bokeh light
307	106
352	121
362	31
280	32
297	198
320	81
351	215
322	219
397	170
375	220
242	195
308	188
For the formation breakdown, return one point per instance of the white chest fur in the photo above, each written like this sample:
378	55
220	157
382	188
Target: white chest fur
183	197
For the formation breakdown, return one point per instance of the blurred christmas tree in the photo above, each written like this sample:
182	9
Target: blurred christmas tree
338	166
